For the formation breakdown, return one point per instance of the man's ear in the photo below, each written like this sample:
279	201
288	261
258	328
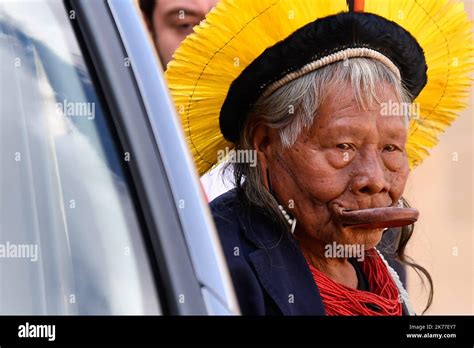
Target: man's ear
264	141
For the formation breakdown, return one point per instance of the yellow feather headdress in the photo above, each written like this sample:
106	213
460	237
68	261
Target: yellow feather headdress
236	32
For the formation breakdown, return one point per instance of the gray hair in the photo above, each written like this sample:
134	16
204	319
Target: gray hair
293	107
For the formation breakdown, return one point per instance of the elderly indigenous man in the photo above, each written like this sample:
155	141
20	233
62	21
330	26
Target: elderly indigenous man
169	22
316	89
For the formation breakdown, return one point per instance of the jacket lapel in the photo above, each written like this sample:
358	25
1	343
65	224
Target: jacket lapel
281	268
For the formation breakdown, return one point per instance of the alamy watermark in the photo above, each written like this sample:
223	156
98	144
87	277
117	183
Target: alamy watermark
76	109
392	108
28	330
336	250
21	251
237	156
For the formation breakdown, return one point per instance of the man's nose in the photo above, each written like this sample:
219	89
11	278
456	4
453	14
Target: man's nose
370	177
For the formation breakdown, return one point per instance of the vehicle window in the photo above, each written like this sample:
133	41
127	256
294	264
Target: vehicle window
70	238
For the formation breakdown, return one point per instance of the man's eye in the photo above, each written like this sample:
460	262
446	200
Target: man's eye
344	146
390	148
185	27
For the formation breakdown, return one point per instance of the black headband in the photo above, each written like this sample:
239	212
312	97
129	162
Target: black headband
317	40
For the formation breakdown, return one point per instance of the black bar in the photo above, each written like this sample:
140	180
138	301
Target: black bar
136	330
350	3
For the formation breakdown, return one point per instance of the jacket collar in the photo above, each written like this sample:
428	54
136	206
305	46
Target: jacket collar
280	265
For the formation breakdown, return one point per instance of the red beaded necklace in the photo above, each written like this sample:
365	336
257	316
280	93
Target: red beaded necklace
383	298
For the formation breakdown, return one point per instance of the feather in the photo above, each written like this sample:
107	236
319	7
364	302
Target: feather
444	31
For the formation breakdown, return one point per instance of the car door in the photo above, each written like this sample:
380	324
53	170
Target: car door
97	188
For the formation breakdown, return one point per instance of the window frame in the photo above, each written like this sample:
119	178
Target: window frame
169	255
198	226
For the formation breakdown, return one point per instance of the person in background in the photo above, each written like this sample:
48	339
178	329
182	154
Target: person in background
170	21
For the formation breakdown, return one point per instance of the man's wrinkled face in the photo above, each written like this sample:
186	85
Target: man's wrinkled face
350	157
173	20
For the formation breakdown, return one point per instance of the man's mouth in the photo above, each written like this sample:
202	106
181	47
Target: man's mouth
381	217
